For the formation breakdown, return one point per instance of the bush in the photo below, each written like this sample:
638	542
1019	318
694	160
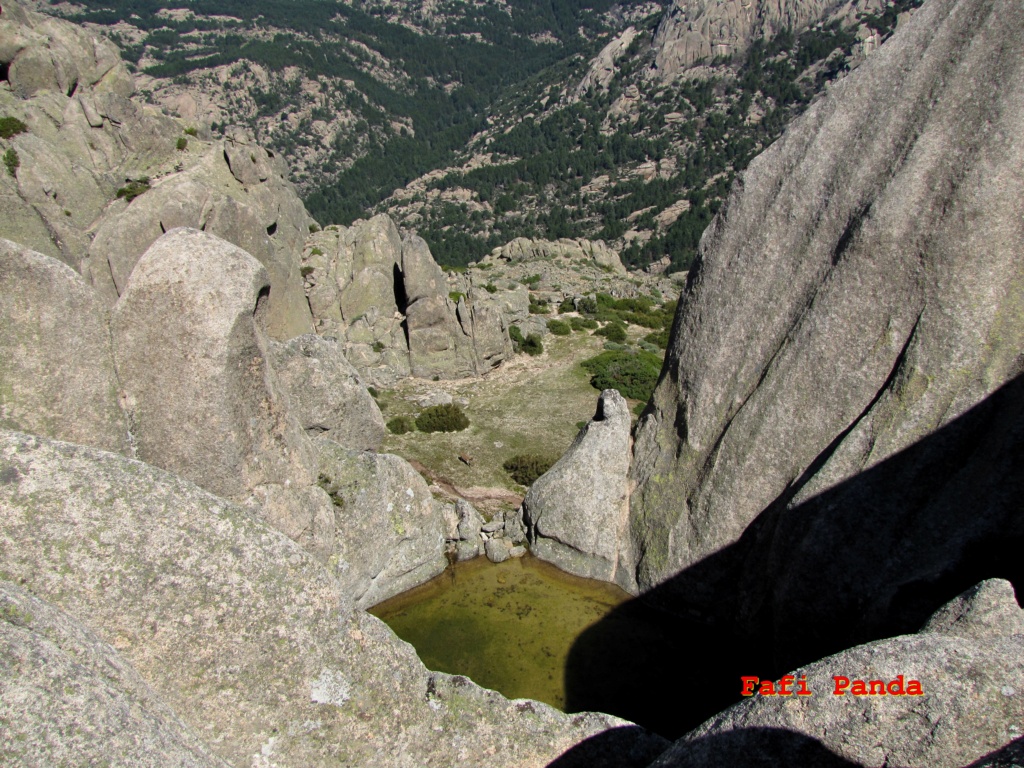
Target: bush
456	296
532	345
191	131
634	373
11	160
401	424
539	306
442	418
491	288
559	328
11	126
373	392
582	323
531	280
525	468
613	332
515	334
567	305
658	338
133	189
182	144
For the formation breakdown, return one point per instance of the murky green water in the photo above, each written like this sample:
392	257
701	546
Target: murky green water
508	626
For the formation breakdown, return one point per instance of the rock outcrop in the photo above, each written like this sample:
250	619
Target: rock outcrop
389	304
388	526
693	30
525	249
87	143
68	698
971	670
602	68
838	421
56	367
241	632
576	512
327	395
201	398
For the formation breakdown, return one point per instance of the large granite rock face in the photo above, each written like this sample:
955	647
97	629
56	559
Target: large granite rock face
56	368
576	512
389	531
201	398
326	393
692	30
971	670
387	301
240	632
68	698
844	362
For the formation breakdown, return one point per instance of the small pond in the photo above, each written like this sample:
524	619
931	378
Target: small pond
529	630
507	626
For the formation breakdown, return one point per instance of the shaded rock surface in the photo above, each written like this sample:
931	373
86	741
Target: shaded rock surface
240	631
56	367
971	672
68	698
576	511
326	394
844	361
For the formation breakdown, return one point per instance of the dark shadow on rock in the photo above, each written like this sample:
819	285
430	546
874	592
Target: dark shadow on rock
756	748
1010	756
872	557
625	747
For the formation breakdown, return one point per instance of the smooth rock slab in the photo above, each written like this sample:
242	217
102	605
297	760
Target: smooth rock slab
56	367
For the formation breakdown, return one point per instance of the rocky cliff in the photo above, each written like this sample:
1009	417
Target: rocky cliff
838	421
696	30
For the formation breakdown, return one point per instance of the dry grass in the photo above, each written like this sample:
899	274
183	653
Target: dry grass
529	405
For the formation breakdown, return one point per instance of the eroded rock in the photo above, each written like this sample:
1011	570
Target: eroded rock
575	512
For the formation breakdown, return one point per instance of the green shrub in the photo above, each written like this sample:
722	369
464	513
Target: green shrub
491	288
559	328
613	332
567	305
658	338
539	306
442	418
633	372
314	228
191	131
373	392
316	252
525	468
11	160
134	188
531	280
11	126
378	347
456	296
532	345
401	425
306	271
515	334
182	144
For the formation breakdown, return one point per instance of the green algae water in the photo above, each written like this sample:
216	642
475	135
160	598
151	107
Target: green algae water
507	626
529	630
